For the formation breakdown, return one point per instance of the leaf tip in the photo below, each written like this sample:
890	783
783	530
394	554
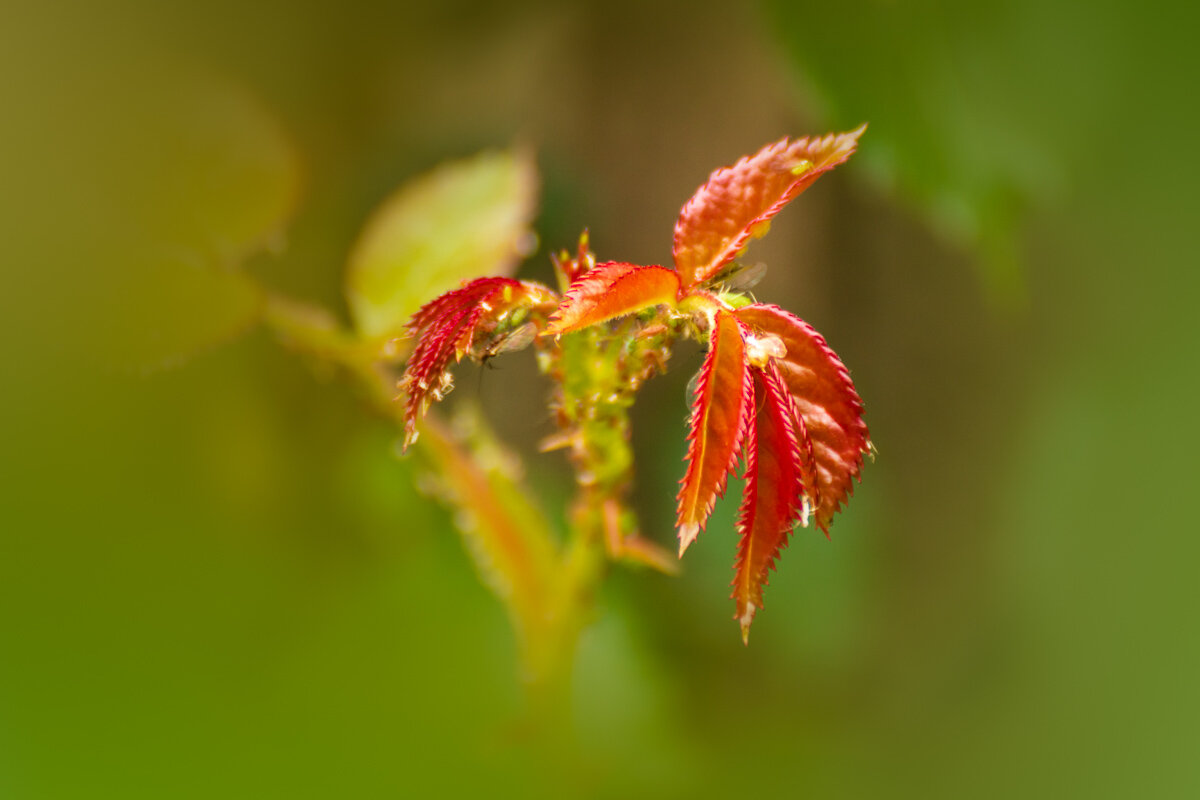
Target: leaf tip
747	617
687	534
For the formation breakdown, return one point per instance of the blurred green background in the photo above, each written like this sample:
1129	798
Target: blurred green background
216	580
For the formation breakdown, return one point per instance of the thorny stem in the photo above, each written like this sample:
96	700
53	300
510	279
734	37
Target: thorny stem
595	375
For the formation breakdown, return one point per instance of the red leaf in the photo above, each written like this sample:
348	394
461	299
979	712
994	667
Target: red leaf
720	416
825	400
613	289
774	493
737	202
569	269
446	328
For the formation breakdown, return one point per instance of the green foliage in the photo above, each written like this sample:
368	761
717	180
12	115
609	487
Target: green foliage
472	217
179	286
216	581
173	308
461	220
956	143
803	438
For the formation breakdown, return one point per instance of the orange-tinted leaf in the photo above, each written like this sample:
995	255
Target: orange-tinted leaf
737	202
449	327
825	400
720	416
774	493
613	289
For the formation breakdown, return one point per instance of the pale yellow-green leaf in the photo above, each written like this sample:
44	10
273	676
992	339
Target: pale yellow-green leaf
463	220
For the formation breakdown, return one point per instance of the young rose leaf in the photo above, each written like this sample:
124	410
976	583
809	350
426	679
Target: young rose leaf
720	415
774	495
738	202
476	319
613	289
825	400
463	219
568	268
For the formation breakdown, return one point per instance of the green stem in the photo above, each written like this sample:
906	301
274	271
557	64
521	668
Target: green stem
555	598
549	591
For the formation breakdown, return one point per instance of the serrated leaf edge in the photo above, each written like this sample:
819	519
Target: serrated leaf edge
694	503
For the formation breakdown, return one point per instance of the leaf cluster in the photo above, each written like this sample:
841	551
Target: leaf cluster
771	394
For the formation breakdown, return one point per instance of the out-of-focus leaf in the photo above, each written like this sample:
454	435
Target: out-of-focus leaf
611	290
459	221
191	175
773	495
227	171
481	319
825	399
156	314
721	412
738	202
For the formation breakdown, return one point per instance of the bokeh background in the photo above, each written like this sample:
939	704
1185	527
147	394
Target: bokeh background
216	580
